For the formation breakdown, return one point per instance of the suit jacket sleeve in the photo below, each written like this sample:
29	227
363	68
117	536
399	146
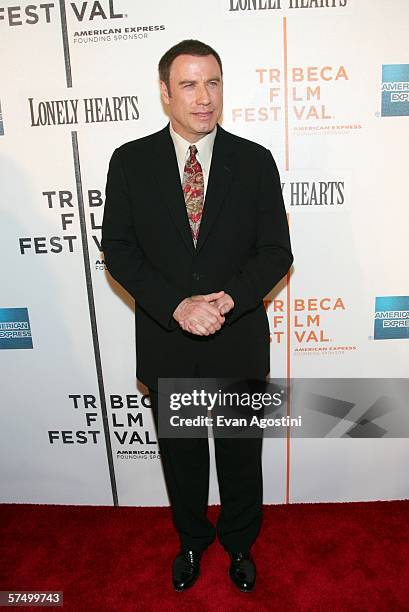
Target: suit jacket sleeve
273	256
124	257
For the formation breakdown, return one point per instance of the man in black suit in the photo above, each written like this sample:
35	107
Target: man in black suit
195	230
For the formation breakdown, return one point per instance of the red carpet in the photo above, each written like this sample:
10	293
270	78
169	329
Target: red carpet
325	557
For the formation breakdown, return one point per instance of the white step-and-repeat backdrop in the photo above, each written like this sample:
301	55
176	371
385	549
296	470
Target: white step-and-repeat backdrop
325	85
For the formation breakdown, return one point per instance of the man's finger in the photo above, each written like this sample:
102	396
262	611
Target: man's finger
199	329
208	297
207	309
211	324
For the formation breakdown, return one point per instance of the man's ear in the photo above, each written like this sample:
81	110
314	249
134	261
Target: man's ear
164	92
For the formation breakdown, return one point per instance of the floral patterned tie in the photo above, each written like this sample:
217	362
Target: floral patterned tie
193	190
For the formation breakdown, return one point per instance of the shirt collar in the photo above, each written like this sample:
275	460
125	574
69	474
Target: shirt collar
204	145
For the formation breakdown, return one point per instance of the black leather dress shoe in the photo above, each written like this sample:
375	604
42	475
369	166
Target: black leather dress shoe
242	571
186	569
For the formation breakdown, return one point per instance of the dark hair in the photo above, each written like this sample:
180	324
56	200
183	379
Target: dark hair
185	47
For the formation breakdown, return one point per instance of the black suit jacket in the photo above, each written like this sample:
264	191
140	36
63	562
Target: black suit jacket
243	248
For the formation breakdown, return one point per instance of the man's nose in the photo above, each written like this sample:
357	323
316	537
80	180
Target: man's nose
202	95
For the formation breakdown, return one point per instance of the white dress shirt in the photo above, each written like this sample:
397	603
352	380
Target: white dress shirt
204	152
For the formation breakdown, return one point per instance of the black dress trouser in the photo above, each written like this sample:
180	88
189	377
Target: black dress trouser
186	465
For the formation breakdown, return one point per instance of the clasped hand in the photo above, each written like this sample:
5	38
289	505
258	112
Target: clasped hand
203	314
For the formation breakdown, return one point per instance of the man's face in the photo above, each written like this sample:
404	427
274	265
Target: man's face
195	96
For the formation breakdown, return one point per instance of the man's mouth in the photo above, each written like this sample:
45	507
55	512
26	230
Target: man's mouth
204	115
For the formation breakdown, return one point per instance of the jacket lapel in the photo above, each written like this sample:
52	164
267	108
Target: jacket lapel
220	177
169	185
219	181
